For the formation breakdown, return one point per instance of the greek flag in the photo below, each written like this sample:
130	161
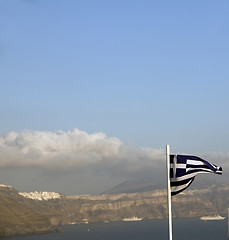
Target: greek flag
184	168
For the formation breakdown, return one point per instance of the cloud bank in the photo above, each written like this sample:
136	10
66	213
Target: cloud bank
78	162
74	148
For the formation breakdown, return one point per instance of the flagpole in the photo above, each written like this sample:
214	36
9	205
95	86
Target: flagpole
169	192
228	223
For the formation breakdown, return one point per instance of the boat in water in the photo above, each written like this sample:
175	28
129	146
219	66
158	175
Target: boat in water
216	217
131	219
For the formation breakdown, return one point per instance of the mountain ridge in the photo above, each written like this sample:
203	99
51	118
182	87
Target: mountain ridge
45	213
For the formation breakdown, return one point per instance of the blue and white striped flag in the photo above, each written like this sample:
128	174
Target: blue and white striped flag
184	168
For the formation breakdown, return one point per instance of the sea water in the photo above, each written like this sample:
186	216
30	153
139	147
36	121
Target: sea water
183	229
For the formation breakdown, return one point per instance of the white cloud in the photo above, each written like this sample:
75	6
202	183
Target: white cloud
72	149
77	150
93	162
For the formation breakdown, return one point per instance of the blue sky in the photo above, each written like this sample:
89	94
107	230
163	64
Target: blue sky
149	73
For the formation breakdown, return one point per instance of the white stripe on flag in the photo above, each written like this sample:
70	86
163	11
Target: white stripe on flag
201	170
178	188
194	162
184	177
179	165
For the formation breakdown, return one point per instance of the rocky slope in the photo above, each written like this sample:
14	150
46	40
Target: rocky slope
16	218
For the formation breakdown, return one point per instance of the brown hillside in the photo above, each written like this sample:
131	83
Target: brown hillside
17	219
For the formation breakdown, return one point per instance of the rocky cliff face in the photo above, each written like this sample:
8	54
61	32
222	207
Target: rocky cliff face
146	205
64	210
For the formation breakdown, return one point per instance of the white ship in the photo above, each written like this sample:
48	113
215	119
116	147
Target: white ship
216	217
131	219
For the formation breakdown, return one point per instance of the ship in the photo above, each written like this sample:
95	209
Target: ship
131	219
216	217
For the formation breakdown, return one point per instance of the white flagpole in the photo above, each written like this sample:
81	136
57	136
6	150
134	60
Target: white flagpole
169	192
228	222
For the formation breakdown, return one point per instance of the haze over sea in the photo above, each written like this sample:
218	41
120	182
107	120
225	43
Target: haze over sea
188	229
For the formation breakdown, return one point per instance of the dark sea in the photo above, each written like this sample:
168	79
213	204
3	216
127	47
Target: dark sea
183	229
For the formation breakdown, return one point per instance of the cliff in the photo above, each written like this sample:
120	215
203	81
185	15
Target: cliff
30	213
146	205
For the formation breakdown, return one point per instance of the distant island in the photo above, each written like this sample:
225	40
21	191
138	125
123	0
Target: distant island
37	212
